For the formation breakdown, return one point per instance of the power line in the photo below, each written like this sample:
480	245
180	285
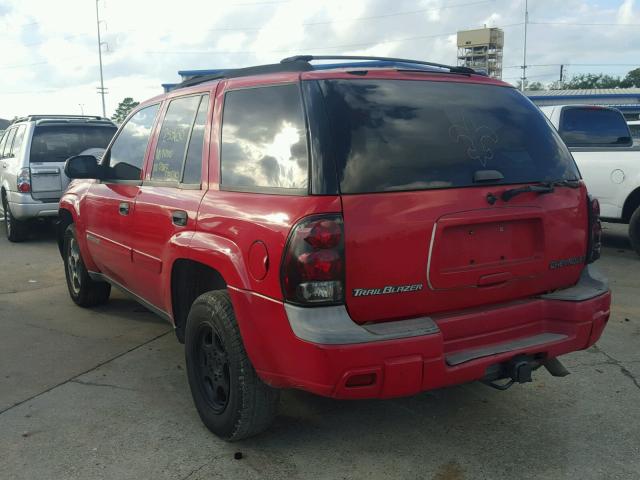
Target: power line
572	24
576	65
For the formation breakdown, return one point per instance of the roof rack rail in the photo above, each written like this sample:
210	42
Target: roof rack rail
294	66
53	117
309	58
300	63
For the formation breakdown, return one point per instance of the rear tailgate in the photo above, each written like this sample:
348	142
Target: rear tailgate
422	166
417	253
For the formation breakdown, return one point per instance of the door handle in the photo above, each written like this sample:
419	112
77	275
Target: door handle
179	218
124	208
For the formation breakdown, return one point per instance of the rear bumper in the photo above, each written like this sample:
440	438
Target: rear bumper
410	356
23	206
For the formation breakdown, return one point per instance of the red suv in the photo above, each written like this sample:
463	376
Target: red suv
367	229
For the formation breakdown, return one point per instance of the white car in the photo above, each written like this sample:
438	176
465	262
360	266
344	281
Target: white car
602	146
634	127
33	152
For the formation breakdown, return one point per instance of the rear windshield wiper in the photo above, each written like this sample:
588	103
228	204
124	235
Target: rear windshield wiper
543	187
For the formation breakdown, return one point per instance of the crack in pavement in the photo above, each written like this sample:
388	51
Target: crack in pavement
98	384
618	363
75	377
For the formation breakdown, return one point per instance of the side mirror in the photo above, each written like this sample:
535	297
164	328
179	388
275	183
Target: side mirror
82	166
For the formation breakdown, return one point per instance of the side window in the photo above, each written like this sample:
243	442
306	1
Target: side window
3	141
593	126
9	141
174	134
126	156
17	141
264	141
193	162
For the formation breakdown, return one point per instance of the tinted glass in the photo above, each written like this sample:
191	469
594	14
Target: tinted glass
414	135
193	163
126	156
582	127
264	141
53	143
17	141
9	140
635	132
173	138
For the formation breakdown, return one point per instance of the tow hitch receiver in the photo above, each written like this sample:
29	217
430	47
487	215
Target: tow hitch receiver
518	369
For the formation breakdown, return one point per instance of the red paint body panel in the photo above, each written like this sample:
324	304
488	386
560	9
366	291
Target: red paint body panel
389	238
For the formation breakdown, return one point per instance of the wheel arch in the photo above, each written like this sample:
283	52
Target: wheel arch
189	280
65	218
630	204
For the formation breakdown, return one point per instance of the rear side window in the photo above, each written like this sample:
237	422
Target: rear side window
193	163
264	140
593	127
391	135
125	159
17	141
56	143
3	141
635	132
8	139
175	139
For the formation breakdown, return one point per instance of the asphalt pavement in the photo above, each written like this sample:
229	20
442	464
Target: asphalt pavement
102	393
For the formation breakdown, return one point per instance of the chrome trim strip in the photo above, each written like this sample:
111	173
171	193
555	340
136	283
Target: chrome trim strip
242	290
333	326
433	238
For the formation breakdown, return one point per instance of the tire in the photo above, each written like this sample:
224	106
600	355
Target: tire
84	291
230	398
634	230
17	230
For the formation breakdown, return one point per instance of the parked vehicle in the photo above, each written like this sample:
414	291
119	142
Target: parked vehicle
601	144
32	155
634	128
354	230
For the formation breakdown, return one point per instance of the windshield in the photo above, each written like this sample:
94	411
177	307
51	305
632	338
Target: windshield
56	143
391	135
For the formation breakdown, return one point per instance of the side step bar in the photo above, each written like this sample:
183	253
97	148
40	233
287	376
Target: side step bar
526	342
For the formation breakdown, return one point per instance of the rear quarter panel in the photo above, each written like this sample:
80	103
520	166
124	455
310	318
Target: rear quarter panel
611	175
229	223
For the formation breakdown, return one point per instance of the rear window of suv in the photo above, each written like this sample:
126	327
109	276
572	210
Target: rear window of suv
593	127
394	135
56	143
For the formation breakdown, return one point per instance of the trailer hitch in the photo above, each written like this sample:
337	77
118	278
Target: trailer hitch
519	369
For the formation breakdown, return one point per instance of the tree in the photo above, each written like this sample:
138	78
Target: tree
531	85
632	79
535	86
124	107
592	80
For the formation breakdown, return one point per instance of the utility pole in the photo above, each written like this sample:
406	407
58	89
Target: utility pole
561	74
101	89
524	58
81	105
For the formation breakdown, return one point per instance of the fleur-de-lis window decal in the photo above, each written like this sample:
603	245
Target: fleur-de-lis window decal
479	140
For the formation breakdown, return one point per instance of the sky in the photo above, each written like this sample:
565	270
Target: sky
49	49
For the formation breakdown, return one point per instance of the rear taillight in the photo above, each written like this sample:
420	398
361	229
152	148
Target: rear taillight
313	263
595	230
24	180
